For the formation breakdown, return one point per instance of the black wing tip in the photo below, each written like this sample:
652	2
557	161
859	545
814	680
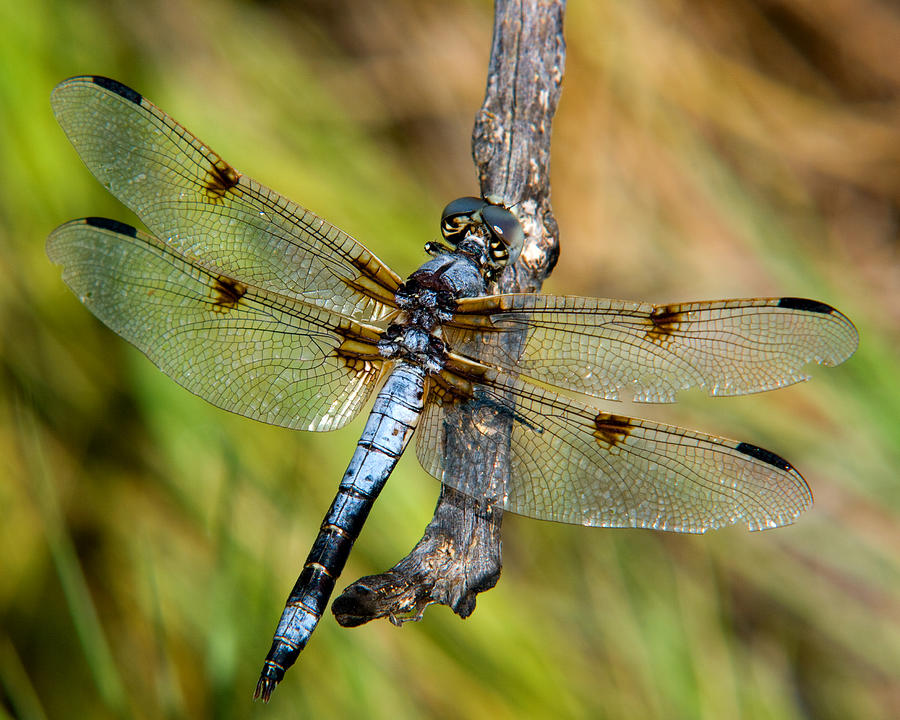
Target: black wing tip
766	456
116	87
805	305
111	225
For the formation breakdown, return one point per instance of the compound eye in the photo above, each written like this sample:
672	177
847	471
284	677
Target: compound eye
458	216
507	236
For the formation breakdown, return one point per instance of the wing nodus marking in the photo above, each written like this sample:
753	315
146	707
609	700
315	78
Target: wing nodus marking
220	178
665	320
611	430
227	294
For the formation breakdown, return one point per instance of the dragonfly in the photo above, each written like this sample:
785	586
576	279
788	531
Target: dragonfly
264	309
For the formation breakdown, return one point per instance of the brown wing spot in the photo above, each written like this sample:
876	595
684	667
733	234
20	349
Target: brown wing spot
664	320
227	294
220	178
611	430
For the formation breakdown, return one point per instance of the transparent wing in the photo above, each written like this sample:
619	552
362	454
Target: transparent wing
253	352
572	463
203	208
614	348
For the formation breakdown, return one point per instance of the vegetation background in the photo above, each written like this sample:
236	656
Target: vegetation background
704	149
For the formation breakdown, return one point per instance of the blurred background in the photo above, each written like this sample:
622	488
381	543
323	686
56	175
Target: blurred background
705	149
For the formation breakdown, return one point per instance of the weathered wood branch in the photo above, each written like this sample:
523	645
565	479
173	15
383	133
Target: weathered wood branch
459	553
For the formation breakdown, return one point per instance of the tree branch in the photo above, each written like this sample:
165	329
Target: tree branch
459	553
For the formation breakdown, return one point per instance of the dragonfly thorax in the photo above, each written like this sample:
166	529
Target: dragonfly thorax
415	345
428	299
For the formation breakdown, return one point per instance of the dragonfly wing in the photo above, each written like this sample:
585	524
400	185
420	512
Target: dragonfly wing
244	349
615	349
571	463
211	214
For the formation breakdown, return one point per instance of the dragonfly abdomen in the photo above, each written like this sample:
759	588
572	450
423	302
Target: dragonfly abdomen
387	433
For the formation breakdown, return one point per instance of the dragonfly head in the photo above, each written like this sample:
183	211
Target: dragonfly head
495	231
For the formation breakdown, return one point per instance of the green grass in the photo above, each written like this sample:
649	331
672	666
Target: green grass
147	540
